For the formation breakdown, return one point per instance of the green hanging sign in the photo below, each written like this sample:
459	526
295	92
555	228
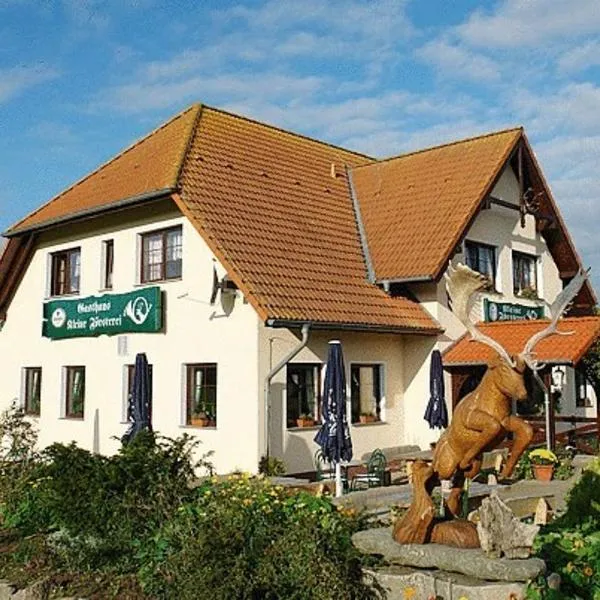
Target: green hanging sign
110	314
504	311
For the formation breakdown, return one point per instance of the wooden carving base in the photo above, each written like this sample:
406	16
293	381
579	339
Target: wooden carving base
419	525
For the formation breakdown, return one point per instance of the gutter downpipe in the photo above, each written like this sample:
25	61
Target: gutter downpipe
267	387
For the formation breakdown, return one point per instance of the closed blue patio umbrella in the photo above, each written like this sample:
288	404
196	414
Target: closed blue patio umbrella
436	413
140	399
334	435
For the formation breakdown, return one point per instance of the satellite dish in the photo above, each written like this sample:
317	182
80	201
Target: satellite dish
227	289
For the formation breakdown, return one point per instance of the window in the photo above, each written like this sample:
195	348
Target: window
524	275
109	260
365	391
481	258
74	392
161	255
582	398
66	268
303	391
129	383
201	395
33	390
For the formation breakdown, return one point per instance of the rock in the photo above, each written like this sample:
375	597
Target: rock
401	583
6	590
471	562
37	591
541	513
492	479
501	533
554	581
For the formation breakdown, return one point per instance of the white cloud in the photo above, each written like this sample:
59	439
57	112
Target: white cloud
580	58
530	23
574	108
16	80
454	60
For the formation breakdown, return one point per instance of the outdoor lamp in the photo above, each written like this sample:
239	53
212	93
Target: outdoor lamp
558	377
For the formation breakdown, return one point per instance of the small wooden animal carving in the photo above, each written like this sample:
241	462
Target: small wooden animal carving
483	418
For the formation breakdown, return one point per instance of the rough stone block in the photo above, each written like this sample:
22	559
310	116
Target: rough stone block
501	533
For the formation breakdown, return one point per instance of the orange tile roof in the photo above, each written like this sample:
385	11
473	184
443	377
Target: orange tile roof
416	207
513	335
151	164
266	202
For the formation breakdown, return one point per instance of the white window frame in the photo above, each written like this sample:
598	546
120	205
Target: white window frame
382	387
103	265
320	370
536	271
22	399
184	394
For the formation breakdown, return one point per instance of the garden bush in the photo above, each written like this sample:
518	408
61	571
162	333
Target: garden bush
104	508
571	544
243	538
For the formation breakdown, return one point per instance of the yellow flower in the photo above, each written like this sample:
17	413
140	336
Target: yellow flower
542	456
578	544
570	566
588	571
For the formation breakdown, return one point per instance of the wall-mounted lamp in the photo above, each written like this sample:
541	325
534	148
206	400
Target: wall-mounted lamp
558	377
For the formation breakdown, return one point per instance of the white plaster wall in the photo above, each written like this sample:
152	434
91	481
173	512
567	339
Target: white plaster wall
296	446
568	405
195	332
499	227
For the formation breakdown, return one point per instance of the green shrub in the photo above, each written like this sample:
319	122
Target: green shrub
104	507
245	539
571	544
271	466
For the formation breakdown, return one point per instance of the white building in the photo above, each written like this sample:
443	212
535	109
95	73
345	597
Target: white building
309	243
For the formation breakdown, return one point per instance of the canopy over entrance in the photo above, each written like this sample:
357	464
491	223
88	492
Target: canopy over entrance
513	335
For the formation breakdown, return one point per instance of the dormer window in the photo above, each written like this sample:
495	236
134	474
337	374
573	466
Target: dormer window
482	258
524	275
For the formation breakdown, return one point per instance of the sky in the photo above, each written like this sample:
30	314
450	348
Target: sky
82	79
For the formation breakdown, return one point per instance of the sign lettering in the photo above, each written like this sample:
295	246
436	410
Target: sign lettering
504	311
110	314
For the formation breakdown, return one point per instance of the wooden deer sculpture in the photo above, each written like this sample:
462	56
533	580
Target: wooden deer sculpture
481	420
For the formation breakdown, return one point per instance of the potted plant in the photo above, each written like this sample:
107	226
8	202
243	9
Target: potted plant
543	462
200	419
367	417
305	420
529	292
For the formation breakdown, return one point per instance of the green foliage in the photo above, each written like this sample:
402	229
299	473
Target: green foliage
271	466
571	544
103	507
245	539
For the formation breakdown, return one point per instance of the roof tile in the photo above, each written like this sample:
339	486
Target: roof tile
513	335
415	207
151	164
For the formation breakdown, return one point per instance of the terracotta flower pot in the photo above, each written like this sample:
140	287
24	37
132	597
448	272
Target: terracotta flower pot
367	418
543	472
199	422
305	422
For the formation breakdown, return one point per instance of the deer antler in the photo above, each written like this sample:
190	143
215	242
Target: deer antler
462	284
557	308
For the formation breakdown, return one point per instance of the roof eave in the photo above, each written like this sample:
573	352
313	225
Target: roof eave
360	327
92	212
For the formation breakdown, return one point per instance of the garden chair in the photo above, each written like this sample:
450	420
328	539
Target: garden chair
376	472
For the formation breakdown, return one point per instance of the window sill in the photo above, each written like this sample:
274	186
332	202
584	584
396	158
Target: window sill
61	296
375	423
311	428
71	419
198	427
157	282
